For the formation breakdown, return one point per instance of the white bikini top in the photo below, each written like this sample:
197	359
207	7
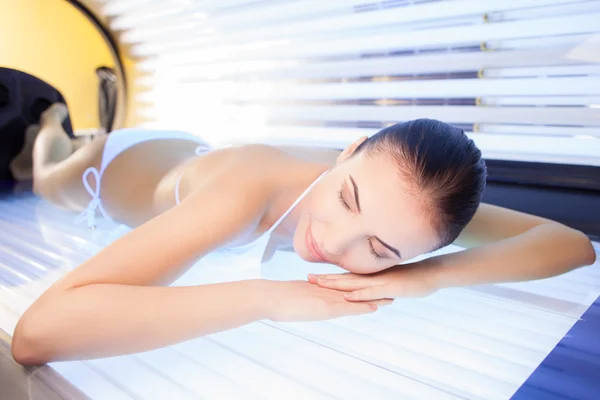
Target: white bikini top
246	257
116	143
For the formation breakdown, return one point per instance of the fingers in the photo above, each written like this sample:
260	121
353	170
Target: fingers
346	285
314	277
364	307
369	293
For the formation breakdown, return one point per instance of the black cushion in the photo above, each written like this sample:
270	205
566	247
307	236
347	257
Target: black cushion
23	98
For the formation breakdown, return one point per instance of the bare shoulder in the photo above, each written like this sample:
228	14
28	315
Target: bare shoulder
275	157
249	163
248	154
264	152
247	173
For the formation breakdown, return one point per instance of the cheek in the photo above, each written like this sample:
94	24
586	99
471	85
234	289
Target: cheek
363	269
319	207
363	263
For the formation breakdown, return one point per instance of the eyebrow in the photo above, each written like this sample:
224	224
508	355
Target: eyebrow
356	197
355	192
390	248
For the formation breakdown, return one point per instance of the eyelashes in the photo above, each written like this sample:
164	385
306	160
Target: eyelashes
341	198
373	252
347	207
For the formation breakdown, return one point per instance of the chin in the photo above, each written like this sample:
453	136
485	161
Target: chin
306	257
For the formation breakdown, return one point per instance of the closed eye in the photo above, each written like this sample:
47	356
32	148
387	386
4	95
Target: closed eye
346	206
358	209
344	203
373	252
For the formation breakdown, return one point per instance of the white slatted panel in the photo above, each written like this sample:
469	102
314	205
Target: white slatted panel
521	77
476	343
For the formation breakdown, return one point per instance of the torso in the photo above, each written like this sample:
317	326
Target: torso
132	179
140	183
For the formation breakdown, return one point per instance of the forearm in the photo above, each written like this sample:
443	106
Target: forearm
541	252
105	319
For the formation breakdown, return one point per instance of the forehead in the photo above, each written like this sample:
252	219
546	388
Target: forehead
389	208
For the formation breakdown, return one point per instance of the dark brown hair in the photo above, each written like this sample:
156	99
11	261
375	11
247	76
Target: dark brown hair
444	168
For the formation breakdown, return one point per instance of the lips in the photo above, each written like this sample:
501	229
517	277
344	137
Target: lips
313	248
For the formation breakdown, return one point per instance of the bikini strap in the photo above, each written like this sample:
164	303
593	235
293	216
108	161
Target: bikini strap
89	213
295	203
203	148
177	200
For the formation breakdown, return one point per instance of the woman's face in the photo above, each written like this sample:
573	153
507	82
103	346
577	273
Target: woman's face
361	217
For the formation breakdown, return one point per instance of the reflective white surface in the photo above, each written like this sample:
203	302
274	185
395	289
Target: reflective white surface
477	343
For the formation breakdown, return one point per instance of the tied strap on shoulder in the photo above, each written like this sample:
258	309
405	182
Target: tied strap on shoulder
203	148
89	213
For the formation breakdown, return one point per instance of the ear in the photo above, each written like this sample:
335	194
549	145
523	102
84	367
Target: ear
348	151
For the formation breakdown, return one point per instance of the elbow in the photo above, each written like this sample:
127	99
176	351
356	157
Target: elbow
27	346
590	253
585	248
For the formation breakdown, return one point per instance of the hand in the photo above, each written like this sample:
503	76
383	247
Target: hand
410	280
289	301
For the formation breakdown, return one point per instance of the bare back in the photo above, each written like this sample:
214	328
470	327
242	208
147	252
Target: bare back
141	182
131	180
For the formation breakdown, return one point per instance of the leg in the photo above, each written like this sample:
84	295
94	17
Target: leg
57	170
21	166
81	141
52	144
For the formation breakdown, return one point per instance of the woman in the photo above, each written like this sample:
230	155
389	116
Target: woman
408	190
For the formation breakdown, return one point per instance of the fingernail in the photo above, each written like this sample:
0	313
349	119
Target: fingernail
322	280
349	295
373	306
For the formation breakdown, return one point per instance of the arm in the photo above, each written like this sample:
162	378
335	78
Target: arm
508	246
111	305
502	246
